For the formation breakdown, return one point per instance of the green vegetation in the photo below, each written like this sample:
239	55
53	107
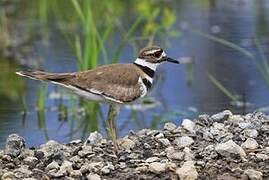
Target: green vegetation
260	61
41	109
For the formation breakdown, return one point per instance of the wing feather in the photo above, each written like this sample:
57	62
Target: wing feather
118	82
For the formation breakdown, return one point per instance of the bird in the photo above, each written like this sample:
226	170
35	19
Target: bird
113	84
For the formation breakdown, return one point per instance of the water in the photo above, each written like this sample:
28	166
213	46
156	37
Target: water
236	21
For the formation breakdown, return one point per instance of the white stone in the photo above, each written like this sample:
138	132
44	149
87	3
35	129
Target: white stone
52	165
253	174
252	133
230	148
93	138
75	174
160	135
164	141
172	154
31	161
169	126
244	125
126	143
66	167
8	176
262	157
157	167
219	126
188	154
188	125
267	150
183	141
105	170
250	143
152	159
93	177
187	171
222	116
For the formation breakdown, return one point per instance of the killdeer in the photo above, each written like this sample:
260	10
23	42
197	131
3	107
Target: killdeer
115	84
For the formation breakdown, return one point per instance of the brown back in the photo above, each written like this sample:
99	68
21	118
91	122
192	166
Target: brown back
118	81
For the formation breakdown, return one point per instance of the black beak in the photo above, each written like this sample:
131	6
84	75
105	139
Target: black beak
168	59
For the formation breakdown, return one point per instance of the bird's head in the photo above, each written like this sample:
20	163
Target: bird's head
155	55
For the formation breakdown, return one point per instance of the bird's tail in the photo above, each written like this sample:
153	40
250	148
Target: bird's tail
46	76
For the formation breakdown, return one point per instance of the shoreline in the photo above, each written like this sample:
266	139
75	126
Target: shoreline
222	146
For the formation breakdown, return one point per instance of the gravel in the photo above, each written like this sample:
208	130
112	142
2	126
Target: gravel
221	146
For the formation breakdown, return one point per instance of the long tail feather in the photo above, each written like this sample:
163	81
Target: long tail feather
45	76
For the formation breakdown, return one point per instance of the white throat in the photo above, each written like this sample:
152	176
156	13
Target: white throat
142	62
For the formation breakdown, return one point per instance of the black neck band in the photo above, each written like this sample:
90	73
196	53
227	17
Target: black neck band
146	70
147	83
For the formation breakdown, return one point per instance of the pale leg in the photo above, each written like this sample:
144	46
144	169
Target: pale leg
111	127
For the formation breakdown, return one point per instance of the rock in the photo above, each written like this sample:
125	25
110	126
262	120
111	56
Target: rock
126	143
244	125
14	145
222	116
183	141
218	126
250	143
157	167
188	125
75	174
171	167
75	142
30	161
172	154
93	138
188	156
229	149
226	177
85	151
65	168
262	157
187	171
267	150
93	177
152	159
8	176
169	126
22	172
122	165
105	170
39	154
53	151
141	169
52	165
252	133
164	141
253	174
91	167
159	136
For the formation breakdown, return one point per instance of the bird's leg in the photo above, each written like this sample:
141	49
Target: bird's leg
112	132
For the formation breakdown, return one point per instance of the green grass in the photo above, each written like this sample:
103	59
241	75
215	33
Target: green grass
260	60
222	88
41	109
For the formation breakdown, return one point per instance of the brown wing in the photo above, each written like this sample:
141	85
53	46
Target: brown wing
118	81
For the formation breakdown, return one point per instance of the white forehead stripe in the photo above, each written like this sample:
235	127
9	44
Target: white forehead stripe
152	51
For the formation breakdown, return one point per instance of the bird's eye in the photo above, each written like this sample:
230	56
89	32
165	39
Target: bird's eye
157	54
